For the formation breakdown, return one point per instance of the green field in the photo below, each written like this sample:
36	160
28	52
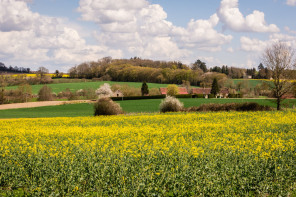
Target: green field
250	82
58	87
131	106
74	86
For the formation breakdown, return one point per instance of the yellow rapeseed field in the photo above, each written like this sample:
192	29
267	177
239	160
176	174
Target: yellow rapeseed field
227	153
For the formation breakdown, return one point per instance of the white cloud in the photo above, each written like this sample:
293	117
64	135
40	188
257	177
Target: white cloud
31	39
202	35
256	45
233	19
291	2
287	29
142	29
230	50
252	45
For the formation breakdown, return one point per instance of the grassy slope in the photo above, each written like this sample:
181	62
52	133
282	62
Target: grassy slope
85	85
152	105
58	87
251	82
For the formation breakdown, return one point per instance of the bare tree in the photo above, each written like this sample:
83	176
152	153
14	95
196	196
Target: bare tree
42	71
280	59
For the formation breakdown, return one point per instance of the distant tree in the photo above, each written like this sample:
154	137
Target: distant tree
260	67
186	84
280	58
25	92
144	89
42	71
200	65
104	91
172	90
45	94
2	90
215	87
57	74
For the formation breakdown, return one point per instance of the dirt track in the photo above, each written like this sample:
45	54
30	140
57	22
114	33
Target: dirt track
39	104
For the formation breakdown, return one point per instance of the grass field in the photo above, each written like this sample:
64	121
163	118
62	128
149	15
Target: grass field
251	82
133	106
58	87
176	154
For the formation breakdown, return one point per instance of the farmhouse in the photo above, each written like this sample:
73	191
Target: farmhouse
117	93
203	91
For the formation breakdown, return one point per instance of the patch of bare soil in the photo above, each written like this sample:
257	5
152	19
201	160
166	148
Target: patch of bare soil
40	104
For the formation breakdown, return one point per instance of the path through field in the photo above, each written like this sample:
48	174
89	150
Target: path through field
40	104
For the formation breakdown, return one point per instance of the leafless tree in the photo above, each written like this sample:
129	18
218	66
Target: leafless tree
281	60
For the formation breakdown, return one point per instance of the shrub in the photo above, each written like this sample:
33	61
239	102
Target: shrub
137	97
170	104
211	96
105	106
184	96
45	94
144	89
104	90
172	90
252	107
231	107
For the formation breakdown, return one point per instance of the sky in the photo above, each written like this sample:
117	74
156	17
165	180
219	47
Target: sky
59	34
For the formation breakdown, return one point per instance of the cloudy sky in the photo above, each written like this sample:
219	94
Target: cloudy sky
59	34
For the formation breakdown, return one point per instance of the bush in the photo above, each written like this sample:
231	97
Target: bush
235	96
104	90
211	96
172	90
231	107
137	97
105	106
184	96
170	104
199	96
252	107
45	94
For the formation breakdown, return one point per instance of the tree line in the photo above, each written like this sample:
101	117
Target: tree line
15	69
139	70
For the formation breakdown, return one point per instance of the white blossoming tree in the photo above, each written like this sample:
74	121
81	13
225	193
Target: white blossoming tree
104	91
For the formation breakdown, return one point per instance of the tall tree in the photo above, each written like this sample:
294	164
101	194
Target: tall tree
2	89
200	65
172	90
279	59
215	87
42	71
144	89
260	67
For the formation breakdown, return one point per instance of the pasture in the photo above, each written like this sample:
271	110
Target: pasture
130	106
59	87
251	83
176	154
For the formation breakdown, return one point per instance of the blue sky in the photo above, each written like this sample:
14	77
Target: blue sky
59	34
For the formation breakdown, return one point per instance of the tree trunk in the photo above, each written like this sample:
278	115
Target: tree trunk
278	102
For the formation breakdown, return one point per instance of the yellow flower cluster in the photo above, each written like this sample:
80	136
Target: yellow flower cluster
261	134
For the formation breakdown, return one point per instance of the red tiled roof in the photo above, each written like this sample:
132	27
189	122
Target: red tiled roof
163	91
224	91
183	91
204	91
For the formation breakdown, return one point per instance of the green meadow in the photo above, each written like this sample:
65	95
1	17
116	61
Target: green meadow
130	106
